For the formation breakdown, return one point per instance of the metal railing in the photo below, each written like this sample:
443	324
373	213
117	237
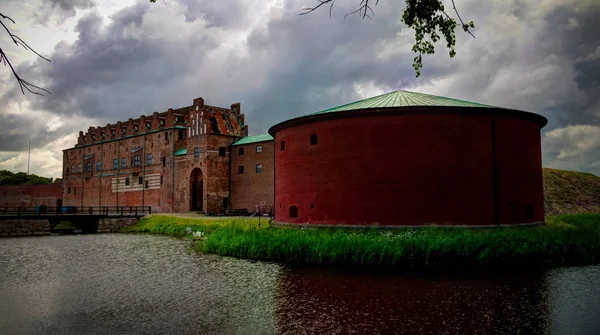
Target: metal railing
73	210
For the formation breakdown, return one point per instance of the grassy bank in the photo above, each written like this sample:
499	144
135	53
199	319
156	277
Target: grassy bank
570	192
572	239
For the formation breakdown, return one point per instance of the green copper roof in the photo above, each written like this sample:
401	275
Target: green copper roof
402	98
181	152
253	139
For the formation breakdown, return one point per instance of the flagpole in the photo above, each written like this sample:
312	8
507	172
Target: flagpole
29	157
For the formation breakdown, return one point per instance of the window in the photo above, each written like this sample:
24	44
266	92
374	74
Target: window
314	139
282	145
68	171
99	166
74	190
180	134
161	180
123	163
136	160
115	163
124	131
164	161
135	128
146	184
222	151
112	133
149	159
293	212
196	152
69	189
166	135
258	168
312	205
73	168
148	125
529	211
241	151
225	202
103	135
79	168
241	169
259	148
140	180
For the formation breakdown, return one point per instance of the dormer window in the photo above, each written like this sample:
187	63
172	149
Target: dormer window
161	123
124	131
112	133
148	125
103	135
93	138
135	128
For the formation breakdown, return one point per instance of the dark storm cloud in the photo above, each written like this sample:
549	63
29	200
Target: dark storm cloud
17	130
280	65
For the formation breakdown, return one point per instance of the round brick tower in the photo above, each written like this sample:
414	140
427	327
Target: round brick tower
406	158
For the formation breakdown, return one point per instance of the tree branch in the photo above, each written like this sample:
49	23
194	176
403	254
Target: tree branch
464	26
23	84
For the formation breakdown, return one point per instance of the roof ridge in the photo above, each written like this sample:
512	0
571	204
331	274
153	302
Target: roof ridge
448	98
353	102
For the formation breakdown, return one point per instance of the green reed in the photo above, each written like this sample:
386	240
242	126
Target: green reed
572	239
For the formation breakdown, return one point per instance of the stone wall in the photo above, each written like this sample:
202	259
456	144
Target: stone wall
114	225
24	227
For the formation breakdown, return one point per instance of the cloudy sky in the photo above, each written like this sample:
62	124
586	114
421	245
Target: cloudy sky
116	59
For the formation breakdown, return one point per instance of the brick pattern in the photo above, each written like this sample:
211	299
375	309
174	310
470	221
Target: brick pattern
30	195
106	165
251	188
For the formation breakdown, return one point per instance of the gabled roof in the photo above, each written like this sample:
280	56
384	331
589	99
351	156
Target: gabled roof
253	139
402	98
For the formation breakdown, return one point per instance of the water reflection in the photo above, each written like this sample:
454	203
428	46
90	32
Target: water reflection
136	284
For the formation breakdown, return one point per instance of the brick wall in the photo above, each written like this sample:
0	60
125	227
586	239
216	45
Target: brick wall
164	183
30	195
251	188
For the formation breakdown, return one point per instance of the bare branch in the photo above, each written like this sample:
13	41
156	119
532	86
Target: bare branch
321	3
23	84
465	26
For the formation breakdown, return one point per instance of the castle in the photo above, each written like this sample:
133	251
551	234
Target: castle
176	161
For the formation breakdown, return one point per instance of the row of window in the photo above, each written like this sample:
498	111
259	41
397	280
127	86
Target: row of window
314	140
258	169
140	181
135	161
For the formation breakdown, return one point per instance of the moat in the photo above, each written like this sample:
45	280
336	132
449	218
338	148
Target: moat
142	284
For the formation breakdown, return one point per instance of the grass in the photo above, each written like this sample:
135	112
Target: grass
572	239
570	192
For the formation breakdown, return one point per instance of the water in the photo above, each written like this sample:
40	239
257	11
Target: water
142	284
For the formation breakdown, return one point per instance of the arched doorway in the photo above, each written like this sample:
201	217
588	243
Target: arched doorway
196	190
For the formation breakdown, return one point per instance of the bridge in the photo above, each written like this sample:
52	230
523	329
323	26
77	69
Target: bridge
85	219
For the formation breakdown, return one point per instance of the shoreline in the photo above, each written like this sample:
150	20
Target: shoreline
565	240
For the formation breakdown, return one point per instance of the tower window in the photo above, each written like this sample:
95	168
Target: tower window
293	212
314	139
241	169
241	151
258	168
282	145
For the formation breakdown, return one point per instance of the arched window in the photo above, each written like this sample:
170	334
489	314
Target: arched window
293	212
314	139
282	145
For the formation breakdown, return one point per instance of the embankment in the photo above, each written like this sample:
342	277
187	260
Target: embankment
566	240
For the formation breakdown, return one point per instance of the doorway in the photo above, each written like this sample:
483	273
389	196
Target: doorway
196	190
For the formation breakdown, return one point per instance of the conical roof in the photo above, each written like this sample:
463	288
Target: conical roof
402	98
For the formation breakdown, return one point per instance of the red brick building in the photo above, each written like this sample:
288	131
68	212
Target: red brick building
175	161
406	158
252	173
